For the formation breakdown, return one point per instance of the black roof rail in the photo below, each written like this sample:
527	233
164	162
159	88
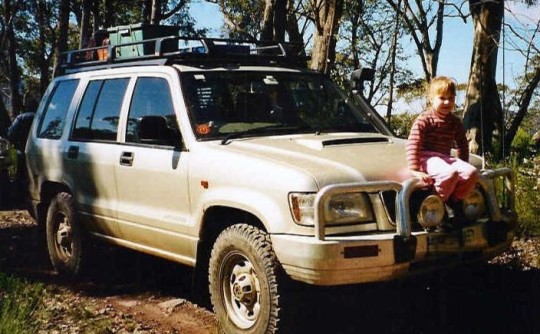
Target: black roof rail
178	49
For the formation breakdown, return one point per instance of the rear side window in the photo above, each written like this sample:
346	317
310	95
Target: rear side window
99	112
52	123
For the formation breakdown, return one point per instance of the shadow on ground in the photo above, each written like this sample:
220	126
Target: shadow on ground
489	299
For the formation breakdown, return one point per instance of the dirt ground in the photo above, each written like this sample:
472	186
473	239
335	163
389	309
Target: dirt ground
127	292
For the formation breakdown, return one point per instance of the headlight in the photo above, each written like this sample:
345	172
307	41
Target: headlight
474	205
431	211
340	209
347	208
302	208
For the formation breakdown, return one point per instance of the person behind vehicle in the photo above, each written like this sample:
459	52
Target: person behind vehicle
433	134
17	135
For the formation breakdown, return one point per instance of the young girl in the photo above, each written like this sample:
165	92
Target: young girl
434	133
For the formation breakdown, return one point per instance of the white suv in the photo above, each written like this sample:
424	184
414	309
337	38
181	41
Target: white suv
236	160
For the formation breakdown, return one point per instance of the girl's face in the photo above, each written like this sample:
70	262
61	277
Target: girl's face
443	103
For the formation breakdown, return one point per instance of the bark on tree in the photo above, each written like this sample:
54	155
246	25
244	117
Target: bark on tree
85	31
482	105
291	21
146	11
62	40
393	65
96	15
156	12
327	16
43	62
274	20
13	72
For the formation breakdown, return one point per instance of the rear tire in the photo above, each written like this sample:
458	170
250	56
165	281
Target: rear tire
64	236
243	277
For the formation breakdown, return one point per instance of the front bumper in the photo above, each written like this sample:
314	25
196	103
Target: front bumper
339	260
334	260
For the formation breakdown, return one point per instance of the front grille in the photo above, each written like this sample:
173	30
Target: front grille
389	201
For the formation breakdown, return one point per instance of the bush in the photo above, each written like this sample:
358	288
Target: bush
19	303
527	174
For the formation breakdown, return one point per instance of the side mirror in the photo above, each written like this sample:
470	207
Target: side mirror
155	131
361	75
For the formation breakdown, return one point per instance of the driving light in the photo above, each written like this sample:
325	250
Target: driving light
474	205
347	208
431	211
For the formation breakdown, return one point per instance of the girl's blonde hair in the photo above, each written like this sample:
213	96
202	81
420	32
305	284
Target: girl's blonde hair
442	85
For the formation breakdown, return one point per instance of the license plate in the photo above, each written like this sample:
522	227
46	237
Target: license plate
443	240
456	239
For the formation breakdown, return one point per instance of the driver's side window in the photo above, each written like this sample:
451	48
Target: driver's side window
151	100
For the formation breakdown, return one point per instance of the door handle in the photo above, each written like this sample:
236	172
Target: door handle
73	152
126	158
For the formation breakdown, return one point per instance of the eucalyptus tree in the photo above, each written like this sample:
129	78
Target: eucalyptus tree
424	22
523	38
364	42
326	17
483	110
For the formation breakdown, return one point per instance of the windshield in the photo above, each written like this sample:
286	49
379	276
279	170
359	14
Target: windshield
225	105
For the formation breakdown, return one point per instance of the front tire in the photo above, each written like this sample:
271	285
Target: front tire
243	278
64	236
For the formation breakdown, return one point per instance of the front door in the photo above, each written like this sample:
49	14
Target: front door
151	175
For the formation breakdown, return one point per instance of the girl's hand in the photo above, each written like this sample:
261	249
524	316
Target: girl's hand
424	178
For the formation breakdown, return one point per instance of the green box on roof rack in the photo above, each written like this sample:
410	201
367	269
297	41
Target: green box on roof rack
137	33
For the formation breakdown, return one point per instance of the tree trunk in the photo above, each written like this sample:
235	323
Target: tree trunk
292	25
13	66
96	15
419	26
42	57
85	31
147	11
524	103
483	105
327	17
62	41
274	20
108	14
393	65
156	12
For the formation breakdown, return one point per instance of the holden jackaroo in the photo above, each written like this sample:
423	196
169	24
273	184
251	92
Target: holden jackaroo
234	158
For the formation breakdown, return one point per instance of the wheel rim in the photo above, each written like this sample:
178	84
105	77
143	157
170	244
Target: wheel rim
241	289
63	237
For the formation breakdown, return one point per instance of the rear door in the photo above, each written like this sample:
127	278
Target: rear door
92	150
151	176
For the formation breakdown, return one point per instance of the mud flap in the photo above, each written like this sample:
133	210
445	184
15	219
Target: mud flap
404	248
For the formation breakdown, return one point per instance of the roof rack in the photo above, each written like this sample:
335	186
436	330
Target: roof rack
177	49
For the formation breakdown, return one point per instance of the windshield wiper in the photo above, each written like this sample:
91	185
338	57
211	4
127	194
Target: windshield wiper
272	129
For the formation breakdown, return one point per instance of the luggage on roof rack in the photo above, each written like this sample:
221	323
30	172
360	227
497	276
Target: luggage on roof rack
137	33
135	43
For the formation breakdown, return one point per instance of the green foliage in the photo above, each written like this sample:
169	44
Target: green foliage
527	190
19	304
412	90
245	17
521	145
365	40
401	123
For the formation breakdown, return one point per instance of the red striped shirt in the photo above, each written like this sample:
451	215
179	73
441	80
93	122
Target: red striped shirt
431	132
